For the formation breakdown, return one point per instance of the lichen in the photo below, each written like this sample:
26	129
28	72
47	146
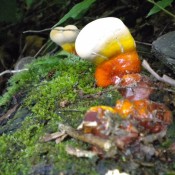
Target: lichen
57	89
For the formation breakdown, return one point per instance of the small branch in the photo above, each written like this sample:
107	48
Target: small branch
12	71
40	50
164	78
104	144
143	43
37	31
150	70
79	152
169	80
49	29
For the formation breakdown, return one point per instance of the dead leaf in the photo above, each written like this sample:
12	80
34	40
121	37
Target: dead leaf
53	136
8	113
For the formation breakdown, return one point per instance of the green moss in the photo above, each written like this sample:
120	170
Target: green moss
49	83
71	77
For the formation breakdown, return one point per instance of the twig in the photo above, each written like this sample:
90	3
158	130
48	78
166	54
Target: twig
12	71
104	144
145	164
37	31
48	29
39	51
79	152
164	78
143	43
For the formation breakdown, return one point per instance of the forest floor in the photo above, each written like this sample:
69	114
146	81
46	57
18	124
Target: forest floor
60	88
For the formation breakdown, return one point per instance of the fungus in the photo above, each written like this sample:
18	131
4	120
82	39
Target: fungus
109	72
65	37
135	87
105	123
151	117
103	39
127	121
109	44
95	118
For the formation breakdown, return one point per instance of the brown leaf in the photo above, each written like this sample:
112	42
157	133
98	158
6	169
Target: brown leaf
8	113
53	136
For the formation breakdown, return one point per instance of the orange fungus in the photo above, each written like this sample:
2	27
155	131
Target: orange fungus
108	72
124	108
152	116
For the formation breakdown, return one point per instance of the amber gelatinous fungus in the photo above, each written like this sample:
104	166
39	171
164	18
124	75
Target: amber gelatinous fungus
127	122
135	86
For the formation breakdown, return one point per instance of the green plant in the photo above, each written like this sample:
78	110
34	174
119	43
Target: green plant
160	5
76	11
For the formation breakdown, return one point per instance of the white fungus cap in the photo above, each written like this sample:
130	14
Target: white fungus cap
104	37
62	35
